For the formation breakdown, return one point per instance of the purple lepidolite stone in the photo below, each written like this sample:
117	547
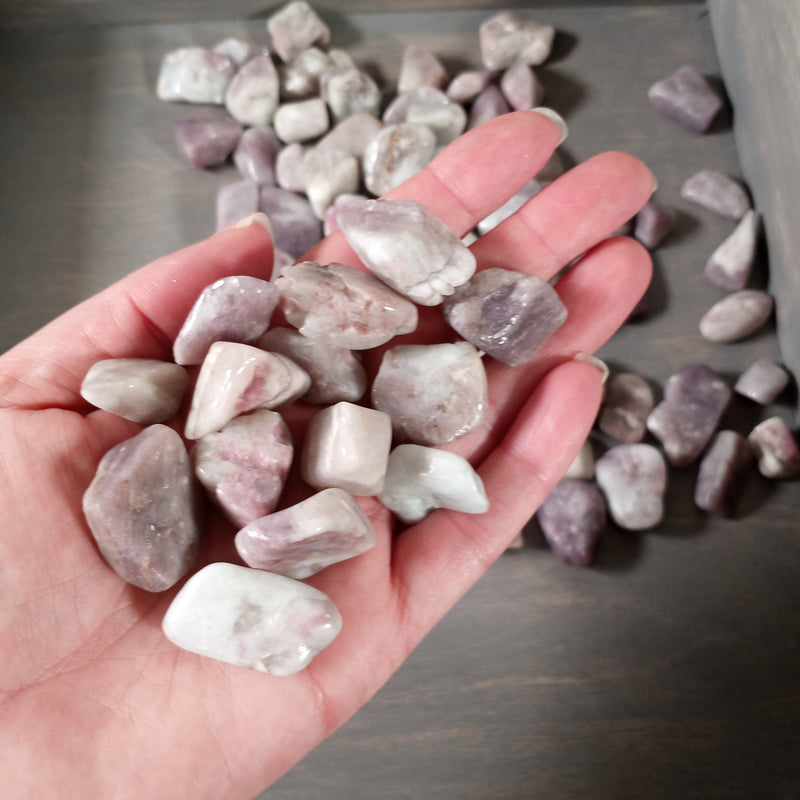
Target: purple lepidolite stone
490	103
236	201
627	404
467	85
352	135
142	509
521	88
294	28
653	223
686	98
294	222
762	381
722	473
716	192
776	450
730	265
253	94
736	316
206	139
255	154
507	314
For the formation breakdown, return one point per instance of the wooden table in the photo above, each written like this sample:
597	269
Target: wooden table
667	670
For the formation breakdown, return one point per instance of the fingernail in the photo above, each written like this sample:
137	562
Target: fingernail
597	363
261	218
557	118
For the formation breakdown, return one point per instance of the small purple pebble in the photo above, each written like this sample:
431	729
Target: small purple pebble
653	223
762	381
206	139
685	98
722	473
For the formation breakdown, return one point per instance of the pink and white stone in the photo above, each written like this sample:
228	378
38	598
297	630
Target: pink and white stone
255	154
521	87
295	28
395	154
328	174
352	135
336	372
468	84
348	90
237	50
407	247
775	448
236	201
300	77
294	222
420	67
736	316
244	466
302	120
490	103
431	107
143	390
507	37
434	393
762	381
730	265
716	192
253	94
206	139
299	541
195	75
347	447
233	309
289	168
331	221
251	618
236	378
350	307
141	508
420	479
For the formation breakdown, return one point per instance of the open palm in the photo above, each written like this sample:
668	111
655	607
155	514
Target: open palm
94	701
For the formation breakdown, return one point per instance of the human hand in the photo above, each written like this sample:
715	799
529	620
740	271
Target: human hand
94	700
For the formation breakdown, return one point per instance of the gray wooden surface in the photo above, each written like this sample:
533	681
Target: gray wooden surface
667	670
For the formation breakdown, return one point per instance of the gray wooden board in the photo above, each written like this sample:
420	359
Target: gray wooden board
667	670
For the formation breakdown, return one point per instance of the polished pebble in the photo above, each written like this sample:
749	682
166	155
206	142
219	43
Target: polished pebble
420	67
626	406
736	316
395	154
716	192
507	37
195	75
686	98
762	381
731	264
295	28
653	224
722	473
206	139
427	105
253	94
775	448
255	154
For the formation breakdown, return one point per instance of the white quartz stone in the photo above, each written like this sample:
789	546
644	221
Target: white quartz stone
194	75
302	120
252	619
328	174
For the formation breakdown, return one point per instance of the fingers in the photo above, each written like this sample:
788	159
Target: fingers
138	316
436	561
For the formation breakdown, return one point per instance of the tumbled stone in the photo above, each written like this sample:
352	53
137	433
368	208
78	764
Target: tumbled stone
352	135
407	247
716	192
633	478
348	90
627	404
233	309
511	206
420	67
299	541
194	75
331	221
295	28
686	98
289	173
582	466
775	448
468	84
420	479
141	508
302	120
300	77
395	154
252	96
731	263
572	517
206	139
653	223
736	316
350	307
236	201
244	466
434	393
237	50
340	58
695	398
762	381
236	378
336	372
347	447
255	154
251	618
490	103
143	390
428	106
294	222
507	314
508	37
521	88
328	174
722	473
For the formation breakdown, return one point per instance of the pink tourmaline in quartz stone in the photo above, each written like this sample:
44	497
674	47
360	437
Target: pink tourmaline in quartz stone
508	37
420	67
428	106
347	447
301	120
236	378
142	509
722	474
572	517
490	103
233	309
328	174
775	449
736	316
627	404
395	154
716	192
507	314
762	381
685	98
206	139
244	466
255	154
195	75
467	85
348	90
295	28
143	390
236	201
521	88
350	307
653	223
253	94
301	540
685	420
434	393
251	618
633	478
289	168
731	263
294	222
352	135
300	77
336	372
407	247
